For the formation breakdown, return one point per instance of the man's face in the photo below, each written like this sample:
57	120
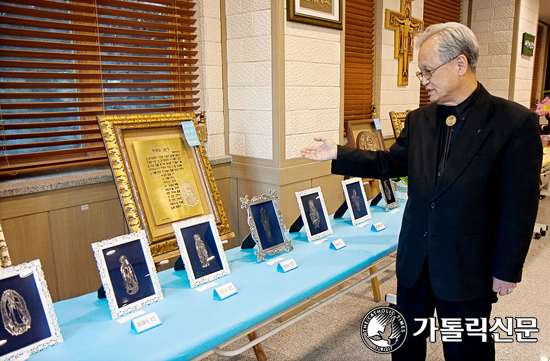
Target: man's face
444	80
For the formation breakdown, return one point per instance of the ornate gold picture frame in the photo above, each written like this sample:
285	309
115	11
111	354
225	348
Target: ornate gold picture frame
398	121
160	178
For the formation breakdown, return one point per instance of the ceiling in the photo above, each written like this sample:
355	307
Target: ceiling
544	12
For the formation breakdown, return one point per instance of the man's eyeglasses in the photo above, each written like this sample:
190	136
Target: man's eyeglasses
427	73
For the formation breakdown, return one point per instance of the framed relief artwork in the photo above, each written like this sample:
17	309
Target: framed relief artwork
29	323
267	227
363	134
326	13
388	194
127	272
314	213
357	200
201	249
398	121
160	178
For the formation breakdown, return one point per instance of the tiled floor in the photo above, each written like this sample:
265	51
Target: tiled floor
332	333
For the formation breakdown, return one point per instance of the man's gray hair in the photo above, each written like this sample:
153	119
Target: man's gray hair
455	39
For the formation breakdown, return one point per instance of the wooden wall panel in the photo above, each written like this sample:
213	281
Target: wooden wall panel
73	229
28	238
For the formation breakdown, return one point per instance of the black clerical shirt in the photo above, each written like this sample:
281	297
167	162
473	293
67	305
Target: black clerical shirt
461	112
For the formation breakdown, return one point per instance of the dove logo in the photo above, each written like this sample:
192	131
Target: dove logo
383	330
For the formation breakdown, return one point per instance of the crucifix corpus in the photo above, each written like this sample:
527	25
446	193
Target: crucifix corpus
405	27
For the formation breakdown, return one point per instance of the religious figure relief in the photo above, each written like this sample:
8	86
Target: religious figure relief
128	276
405	27
314	214
265	224
355	201
366	141
202	251
15	314
189	198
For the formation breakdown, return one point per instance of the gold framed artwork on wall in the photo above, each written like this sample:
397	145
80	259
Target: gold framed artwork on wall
398	121
327	13
160	178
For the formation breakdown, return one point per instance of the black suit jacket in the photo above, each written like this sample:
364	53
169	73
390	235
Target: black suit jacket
476	222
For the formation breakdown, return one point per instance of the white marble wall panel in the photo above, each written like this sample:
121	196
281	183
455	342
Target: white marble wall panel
392	96
210	74
492	22
249	78
528	22
312	85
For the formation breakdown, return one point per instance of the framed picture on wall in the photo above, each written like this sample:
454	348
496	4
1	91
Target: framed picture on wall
314	213
388	194
29	323
160	177
201	249
267	227
357	200
363	134
127	272
327	13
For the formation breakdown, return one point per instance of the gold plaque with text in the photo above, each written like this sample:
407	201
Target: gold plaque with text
168	178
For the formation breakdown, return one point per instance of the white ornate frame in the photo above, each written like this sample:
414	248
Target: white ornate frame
98	248
193	281
354	220
388	206
246	203
306	192
34	268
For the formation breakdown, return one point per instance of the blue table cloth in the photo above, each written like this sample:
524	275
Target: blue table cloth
194	322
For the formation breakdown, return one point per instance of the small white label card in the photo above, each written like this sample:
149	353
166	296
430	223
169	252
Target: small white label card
337	244
377	227
273	261
320	241
377	124
190	133
206	286
146	322
131	316
227	290
287	265
361	225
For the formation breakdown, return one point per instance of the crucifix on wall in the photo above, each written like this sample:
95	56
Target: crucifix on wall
405	27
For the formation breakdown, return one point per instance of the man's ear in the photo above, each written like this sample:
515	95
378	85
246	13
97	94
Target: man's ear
463	64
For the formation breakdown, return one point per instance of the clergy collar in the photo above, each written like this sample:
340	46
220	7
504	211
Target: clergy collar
460	110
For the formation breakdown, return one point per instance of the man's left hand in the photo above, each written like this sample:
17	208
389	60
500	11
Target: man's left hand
502	287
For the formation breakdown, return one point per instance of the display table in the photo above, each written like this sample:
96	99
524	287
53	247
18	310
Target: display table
194	322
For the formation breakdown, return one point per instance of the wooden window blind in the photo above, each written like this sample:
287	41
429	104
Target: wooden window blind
359	60
536	95
63	63
435	12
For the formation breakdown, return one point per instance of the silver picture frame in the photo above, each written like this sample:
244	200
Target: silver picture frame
388	193
267	227
314	213
127	272
201	249
356	199
24	288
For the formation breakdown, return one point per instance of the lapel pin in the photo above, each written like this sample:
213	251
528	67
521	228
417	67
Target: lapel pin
451	120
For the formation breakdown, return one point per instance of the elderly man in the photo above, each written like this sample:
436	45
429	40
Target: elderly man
473	162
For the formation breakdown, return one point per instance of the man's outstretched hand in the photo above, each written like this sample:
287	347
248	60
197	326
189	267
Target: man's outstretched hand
328	150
